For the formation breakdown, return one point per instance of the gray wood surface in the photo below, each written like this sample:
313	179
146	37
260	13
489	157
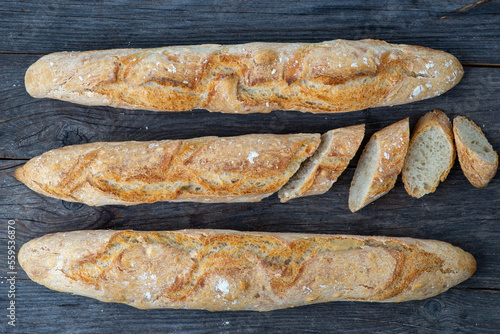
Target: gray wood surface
457	212
49	26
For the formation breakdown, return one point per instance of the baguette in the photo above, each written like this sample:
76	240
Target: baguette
431	154
477	158
334	76
229	270
379	165
209	169
319	172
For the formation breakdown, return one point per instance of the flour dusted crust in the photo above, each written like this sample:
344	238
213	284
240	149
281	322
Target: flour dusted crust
228	270
333	76
208	169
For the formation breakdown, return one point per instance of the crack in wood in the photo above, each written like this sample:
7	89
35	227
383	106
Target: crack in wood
466	8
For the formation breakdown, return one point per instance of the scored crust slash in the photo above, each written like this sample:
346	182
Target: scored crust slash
333	76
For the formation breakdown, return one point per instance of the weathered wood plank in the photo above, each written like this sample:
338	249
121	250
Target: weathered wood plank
457	213
40	310
41	27
29	127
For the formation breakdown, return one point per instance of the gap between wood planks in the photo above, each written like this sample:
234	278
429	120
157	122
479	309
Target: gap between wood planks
463	289
480	65
11	159
22	53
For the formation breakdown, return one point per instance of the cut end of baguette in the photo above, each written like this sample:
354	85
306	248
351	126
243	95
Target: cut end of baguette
379	165
477	158
319	172
361	183
428	161
430	156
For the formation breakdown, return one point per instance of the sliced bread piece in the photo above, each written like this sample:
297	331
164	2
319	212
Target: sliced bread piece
431	154
379	164
319	172
477	158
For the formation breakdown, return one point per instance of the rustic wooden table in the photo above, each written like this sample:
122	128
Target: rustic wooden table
457	212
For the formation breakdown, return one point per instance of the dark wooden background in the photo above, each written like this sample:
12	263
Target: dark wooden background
457	212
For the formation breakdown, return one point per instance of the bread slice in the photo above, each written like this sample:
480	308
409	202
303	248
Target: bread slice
431	154
319	172
477	158
379	164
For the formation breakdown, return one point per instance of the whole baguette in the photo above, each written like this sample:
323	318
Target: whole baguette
333	76
228	270
208	169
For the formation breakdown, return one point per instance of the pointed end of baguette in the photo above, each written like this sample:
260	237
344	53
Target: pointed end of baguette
45	259
39	77
19	174
425	73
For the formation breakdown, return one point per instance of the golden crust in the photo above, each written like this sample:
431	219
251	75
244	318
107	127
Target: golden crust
209	169
228	270
478	171
392	145
327	163
333	76
439	119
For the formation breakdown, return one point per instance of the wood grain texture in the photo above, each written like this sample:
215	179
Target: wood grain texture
457	212
49	26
